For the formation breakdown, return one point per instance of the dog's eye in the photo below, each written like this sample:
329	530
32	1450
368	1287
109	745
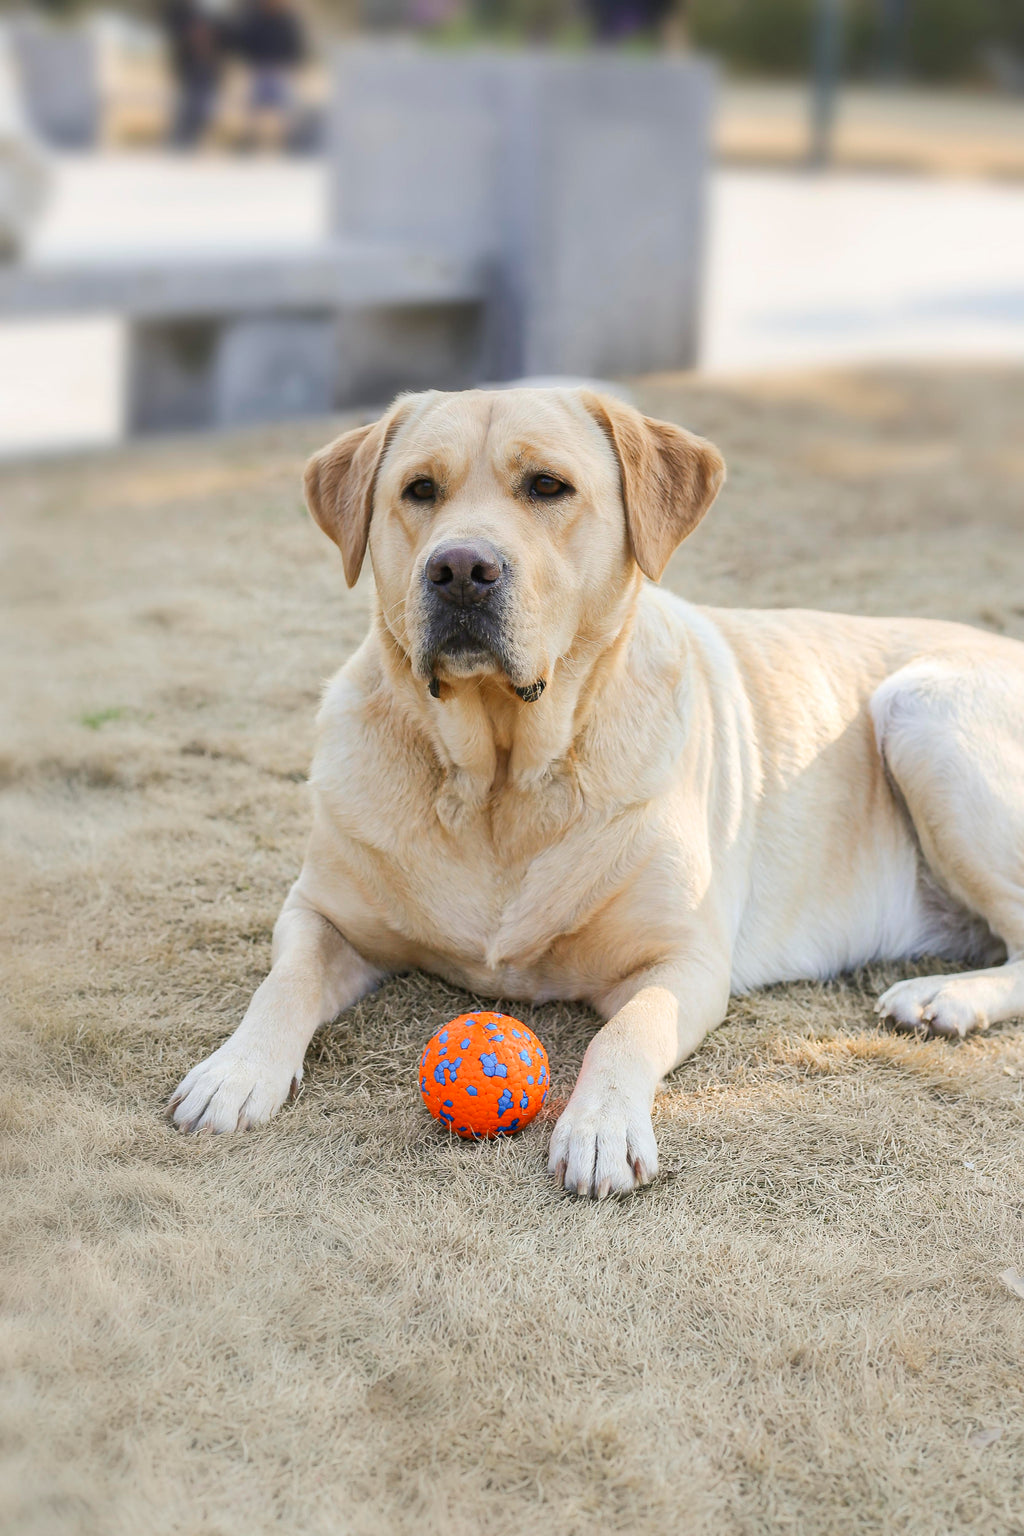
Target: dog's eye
421	490
547	486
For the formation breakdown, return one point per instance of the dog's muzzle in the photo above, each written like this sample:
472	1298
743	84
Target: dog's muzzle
467	591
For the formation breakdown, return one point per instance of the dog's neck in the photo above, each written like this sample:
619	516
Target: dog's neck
494	748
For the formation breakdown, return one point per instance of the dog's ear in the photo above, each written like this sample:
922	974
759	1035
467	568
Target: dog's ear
340	482
669	478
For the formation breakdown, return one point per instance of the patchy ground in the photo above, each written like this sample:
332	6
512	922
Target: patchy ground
346	1323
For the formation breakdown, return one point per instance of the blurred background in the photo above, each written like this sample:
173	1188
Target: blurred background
216	212
228	228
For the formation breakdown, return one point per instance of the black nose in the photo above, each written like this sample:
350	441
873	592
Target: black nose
464	574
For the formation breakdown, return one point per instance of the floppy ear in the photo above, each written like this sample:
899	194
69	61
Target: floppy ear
340	482
669	478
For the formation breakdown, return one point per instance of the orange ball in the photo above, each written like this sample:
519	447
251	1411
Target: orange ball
484	1074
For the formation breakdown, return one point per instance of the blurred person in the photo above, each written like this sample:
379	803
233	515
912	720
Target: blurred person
195	42
269	37
618	21
427	14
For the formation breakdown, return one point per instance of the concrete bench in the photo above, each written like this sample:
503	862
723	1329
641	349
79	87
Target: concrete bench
494	215
221	342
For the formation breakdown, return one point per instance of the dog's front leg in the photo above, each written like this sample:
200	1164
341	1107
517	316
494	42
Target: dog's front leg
315	973
604	1141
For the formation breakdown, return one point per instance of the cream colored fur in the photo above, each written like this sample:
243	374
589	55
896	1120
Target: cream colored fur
700	802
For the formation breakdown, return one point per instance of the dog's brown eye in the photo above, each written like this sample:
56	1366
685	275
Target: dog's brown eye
547	485
421	490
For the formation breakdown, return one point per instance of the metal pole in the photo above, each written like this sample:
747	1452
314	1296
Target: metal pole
828	34
894	36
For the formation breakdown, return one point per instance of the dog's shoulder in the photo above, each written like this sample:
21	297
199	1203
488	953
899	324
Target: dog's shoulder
640	726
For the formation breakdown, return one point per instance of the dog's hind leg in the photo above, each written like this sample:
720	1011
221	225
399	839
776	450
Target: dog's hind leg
951	732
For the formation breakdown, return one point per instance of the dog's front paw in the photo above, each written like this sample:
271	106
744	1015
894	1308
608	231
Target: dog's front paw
233	1090
604	1142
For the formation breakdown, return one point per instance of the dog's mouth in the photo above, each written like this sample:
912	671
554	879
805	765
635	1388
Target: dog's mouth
462	643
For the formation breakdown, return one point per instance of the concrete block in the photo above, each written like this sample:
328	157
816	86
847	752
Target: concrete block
383	351
601	220
578	180
185	375
273	367
58	67
25	173
413	140
171	367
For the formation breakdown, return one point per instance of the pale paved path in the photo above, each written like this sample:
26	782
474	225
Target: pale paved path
950	133
802	270
809	269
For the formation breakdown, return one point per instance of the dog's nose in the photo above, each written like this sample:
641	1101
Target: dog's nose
464	574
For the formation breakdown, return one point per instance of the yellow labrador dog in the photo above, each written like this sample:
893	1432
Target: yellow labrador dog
543	777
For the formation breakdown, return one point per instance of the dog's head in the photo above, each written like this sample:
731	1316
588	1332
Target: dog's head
503	525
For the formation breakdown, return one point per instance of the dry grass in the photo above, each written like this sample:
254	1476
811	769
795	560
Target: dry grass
345	1322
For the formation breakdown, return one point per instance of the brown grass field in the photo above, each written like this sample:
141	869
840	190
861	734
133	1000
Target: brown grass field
346	1322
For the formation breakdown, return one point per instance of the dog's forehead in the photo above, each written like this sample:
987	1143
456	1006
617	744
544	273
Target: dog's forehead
499	424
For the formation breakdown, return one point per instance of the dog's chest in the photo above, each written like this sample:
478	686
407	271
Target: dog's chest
496	913
459	891
496	895
473	901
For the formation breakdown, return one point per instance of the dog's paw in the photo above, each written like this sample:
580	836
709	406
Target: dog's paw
232	1090
603	1144
952	1006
